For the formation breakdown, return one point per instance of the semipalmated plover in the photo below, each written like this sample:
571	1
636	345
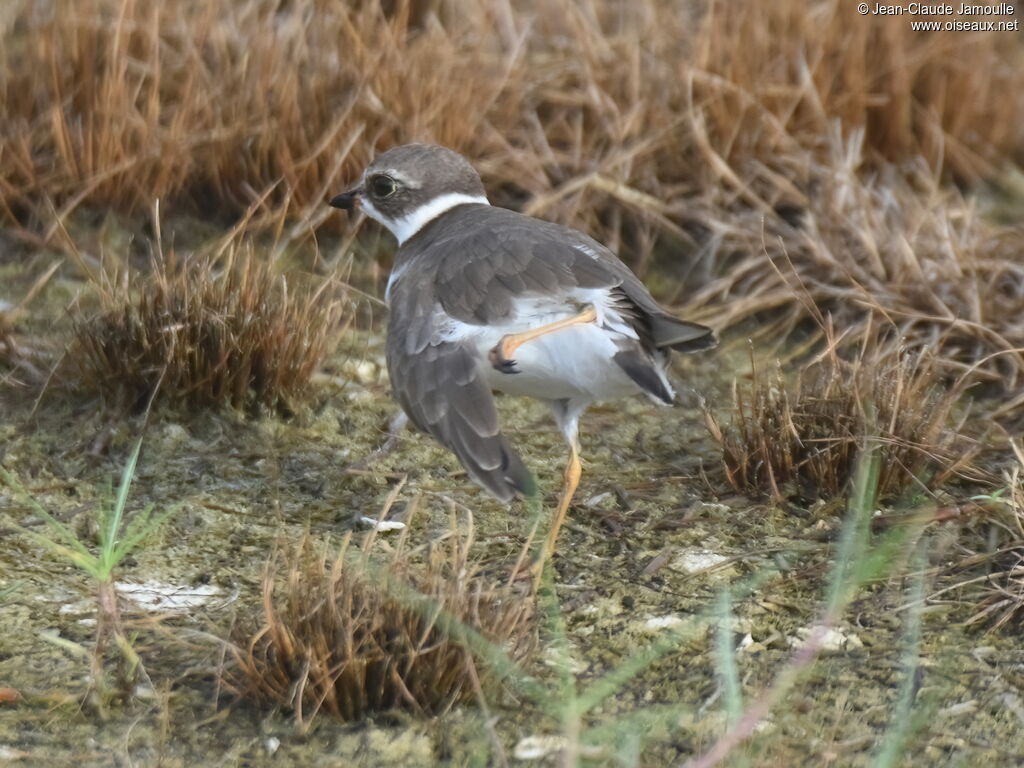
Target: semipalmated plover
483	298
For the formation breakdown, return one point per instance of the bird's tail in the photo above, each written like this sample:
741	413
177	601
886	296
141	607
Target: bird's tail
680	335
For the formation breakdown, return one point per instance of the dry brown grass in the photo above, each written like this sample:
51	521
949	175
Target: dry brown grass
710	137
895	254
783	72
205	331
640	123
210	99
23	363
801	439
348	637
1002	588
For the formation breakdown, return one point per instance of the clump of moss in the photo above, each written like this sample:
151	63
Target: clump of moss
205	331
349	639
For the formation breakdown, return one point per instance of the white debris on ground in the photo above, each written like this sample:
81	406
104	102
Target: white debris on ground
600	499
658	623
160	596
537	747
968	707
79	607
711	507
833	639
85	610
364	371
562	659
382	525
603	606
174	434
696	560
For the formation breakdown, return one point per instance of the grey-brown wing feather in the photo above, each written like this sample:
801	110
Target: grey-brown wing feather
495	255
439	385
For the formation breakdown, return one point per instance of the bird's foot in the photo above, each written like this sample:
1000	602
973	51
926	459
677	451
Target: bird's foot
527	575
500	360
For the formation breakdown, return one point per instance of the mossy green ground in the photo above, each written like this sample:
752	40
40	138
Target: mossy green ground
652	508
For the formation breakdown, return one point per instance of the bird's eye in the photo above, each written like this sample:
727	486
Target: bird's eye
382	186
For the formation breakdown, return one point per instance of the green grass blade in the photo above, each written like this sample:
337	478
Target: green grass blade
76	555
108	533
64	536
665	643
903	722
141	526
725	659
854	535
636	663
10	589
554	622
73	648
650	723
63	532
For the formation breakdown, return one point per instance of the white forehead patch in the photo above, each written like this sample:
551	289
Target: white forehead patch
403	179
406	226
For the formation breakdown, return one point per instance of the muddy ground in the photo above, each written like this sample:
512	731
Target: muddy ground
655	535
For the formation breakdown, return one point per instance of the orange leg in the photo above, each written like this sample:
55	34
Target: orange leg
500	355
573	470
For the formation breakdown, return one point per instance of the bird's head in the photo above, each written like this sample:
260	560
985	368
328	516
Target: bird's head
407	186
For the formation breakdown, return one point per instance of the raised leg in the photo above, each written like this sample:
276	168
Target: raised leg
500	355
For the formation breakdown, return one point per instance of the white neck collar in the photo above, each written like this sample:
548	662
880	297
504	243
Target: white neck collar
410	224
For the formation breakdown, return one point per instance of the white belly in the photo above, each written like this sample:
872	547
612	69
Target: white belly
574	362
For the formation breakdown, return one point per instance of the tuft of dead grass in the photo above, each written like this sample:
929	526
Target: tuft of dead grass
803	438
895	255
346	637
205	331
1001	599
